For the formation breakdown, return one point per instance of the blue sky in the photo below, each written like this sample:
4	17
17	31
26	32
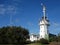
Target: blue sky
27	13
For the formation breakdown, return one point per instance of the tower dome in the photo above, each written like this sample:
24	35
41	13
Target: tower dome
46	21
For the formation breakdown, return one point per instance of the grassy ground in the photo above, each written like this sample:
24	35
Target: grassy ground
34	44
37	44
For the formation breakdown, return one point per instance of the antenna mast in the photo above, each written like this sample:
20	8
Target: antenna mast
44	10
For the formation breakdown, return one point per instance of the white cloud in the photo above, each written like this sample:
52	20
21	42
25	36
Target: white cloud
2	9
16	2
10	7
55	24
1	5
7	9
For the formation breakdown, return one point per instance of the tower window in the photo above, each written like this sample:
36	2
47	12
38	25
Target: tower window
41	35
41	26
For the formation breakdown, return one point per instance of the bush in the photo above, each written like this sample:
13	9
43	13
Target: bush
44	41
27	42
13	35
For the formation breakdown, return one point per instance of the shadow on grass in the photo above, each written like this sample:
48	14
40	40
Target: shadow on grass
37	44
12	44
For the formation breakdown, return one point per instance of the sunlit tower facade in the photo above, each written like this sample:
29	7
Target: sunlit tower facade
44	24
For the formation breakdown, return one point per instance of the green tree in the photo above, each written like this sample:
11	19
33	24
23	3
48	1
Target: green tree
52	37
13	35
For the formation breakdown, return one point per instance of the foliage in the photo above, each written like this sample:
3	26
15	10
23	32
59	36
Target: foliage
35	44
13	35
58	37
53	37
44	41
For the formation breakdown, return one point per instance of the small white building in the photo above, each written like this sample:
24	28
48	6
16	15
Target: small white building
34	37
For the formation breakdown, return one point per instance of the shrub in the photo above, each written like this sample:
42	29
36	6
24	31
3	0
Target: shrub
44	41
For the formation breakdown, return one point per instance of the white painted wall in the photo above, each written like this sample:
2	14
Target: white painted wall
44	29
33	38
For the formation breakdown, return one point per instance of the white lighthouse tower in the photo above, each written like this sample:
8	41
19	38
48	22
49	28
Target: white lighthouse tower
44	23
